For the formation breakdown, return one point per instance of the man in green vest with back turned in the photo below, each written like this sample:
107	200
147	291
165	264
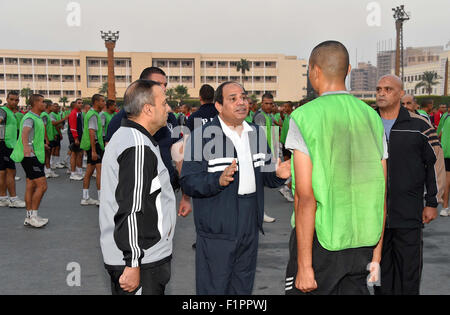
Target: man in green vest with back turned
8	139
92	143
338	179
30	152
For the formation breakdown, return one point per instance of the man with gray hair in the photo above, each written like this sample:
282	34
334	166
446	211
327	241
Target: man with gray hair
136	230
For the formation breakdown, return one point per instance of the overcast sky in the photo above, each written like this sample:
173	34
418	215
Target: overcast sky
291	27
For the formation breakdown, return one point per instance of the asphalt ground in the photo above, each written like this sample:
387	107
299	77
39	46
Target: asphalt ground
65	256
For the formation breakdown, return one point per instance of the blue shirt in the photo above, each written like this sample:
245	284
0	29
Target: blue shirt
388	123
206	113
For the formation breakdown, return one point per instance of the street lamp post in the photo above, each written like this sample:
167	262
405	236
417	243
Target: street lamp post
400	17
110	39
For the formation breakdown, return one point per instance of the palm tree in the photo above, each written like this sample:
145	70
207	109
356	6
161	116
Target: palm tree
63	100
26	92
243	66
181	92
428	81
104	89
171	93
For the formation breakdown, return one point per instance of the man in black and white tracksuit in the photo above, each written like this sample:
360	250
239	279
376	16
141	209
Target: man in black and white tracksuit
137	206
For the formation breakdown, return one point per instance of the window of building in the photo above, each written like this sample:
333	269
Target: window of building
40	62
66	78
11	61
68	62
69	93
53	62
186	64
25	61
92	62
94	78
271	64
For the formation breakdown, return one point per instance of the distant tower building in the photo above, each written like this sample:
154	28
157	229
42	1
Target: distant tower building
364	78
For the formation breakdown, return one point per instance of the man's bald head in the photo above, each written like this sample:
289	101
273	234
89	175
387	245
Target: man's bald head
409	102
332	58
393	79
389	92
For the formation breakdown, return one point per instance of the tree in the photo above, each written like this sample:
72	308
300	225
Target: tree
104	89
171	93
63	100
428	81
243	66
181	93
26	92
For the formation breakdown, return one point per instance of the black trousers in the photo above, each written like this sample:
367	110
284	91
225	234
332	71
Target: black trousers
153	280
228	266
402	262
336	272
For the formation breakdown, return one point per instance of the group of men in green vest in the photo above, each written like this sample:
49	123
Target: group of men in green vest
34	140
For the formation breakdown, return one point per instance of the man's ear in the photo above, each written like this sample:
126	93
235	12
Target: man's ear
218	107
349	69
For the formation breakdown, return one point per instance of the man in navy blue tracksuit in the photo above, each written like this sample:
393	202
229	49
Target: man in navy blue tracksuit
226	165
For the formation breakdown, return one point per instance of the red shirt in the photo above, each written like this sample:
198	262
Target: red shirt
73	122
437	117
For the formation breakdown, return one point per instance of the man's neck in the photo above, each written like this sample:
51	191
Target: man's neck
233	126
35	111
331	87
391	112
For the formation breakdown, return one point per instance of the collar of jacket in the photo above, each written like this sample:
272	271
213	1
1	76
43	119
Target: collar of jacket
403	114
131	124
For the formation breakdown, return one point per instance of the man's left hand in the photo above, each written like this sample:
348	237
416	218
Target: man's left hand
283	169
429	214
185	206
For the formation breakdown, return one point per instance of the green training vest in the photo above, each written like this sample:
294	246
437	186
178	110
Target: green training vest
285	128
49	126
38	141
344	137
57	117
10	128
249	117
19	117
444	124
85	139
268	130
108	117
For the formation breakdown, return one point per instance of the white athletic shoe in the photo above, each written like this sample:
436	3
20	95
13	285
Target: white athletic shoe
268	219
16	178
17	203
60	165
88	202
287	194
5	202
76	177
445	212
35	221
51	174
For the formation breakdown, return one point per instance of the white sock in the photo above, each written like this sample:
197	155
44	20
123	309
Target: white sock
85	194
79	170
13	198
98	194
3	197
32	213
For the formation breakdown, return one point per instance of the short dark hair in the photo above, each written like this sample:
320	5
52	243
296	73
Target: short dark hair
207	93
110	103
147	72
95	98
267	95
218	95
33	98
427	101
12	93
332	58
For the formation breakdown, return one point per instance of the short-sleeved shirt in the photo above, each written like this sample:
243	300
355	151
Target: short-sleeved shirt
295	141
93	124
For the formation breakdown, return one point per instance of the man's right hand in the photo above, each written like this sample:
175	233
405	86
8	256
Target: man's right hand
305	280
227	176
27	151
130	279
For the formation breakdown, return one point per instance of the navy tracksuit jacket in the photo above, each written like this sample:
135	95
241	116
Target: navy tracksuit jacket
216	209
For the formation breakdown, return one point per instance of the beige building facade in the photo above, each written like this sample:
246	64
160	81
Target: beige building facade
56	74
